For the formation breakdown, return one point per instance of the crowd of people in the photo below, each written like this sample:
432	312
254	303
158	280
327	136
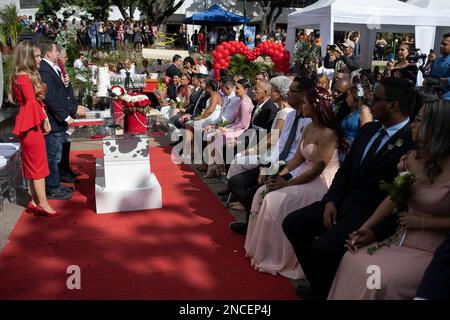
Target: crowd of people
113	35
332	132
315	219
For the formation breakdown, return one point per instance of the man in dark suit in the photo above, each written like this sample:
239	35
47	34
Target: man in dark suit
65	171
265	111
60	106
318	232
174	68
435	283
196	104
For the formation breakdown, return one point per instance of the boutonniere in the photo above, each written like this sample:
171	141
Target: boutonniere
397	144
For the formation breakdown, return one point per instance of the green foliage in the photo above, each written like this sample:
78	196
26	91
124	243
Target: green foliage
49	8
7	69
304	49
248	69
9	23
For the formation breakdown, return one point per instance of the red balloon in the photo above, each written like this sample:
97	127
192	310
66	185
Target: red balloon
223	62
225	53
219	55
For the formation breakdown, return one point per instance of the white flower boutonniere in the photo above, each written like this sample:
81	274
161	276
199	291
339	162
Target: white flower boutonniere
398	143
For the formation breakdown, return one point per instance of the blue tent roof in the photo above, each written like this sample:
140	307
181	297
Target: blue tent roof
216	15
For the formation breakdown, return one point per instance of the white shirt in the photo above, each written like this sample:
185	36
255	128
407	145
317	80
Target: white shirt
203	69
58	73
302	123
54	66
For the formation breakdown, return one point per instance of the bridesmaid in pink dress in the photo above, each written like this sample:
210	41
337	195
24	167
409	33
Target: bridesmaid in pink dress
232	131
427	222
316	161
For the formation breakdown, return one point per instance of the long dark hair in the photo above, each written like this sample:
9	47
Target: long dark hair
322	106
434	137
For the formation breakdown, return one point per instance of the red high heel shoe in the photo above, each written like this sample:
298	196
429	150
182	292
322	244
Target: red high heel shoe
39	211
30	207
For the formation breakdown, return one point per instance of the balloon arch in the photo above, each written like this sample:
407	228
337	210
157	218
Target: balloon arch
223	53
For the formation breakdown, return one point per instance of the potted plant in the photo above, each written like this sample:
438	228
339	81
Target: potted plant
10	26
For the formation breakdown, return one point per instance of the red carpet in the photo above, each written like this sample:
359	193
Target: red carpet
183	251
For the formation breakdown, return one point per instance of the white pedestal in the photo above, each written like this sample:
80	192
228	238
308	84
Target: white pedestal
123	180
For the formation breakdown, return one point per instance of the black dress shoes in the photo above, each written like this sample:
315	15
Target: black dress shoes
69	179
224	192
305	292
60	193
239	227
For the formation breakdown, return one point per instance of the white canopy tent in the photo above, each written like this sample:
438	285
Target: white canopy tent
435	5
368	17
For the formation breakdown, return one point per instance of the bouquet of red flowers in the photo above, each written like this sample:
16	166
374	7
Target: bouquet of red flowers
136	103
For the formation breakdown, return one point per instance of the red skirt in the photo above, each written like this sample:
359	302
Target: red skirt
34	154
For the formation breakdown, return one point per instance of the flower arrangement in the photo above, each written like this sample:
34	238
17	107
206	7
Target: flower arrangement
399	192
118	91
178	102
136	103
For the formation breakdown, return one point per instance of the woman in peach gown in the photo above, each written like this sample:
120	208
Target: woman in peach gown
427	222
315	165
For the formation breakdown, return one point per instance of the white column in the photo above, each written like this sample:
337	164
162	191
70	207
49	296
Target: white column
326	35
290	40
425	36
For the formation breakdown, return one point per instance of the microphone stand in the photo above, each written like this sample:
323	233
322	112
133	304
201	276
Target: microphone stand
112	123
128	80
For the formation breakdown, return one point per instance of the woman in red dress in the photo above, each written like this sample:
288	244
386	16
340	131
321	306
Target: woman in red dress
202	41
27	90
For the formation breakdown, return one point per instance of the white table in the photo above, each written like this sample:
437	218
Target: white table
124	181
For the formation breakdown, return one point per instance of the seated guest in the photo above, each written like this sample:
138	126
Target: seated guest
172	88
229	133
194	100
212	110
185	90
358	116
318	231
244	185
404	259
209	114
230	103
316	161
200	104
249	158
265	111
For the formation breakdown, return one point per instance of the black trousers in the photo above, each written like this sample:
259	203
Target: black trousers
244	187
318	249
435	283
